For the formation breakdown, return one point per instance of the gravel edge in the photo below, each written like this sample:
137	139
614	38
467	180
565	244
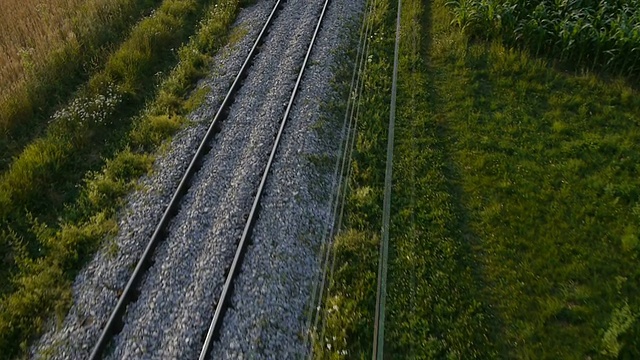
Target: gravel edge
98	285
287	236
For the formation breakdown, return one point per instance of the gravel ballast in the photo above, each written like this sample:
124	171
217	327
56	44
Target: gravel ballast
268	313
178	293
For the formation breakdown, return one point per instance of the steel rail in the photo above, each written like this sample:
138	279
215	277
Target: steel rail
115	323
381	295
223	300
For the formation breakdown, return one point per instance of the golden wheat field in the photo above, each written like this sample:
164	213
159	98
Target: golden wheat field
31	29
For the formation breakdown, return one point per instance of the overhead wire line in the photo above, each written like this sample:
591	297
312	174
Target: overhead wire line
414	36
342	159
347	156
378	338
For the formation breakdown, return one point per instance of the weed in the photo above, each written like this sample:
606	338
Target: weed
321	161
621	321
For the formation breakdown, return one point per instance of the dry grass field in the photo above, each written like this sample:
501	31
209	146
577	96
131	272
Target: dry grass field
49	49
33	29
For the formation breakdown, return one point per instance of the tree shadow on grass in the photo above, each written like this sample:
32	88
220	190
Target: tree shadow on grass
437	309
470	244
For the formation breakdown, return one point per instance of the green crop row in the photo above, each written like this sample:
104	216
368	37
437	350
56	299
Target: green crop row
589	33
41	281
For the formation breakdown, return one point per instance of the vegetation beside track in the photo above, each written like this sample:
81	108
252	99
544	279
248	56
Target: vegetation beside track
43	178
432	307
67	232
515	209
51	48
435	306
349	304
547	165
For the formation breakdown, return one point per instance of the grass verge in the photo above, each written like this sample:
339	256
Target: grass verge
435	307
432	305
38	184
41	285
348	308
43	178
515	206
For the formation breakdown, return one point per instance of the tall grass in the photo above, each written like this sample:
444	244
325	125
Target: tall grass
32	29
49	48
42	284
594	34
44	176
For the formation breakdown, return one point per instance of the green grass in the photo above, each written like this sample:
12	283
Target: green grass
547	165
432	309
435	307
514	209
348	309
41	285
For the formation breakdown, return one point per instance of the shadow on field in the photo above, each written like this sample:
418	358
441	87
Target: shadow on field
470	245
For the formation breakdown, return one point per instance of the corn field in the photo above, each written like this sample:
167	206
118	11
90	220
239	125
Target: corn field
603	35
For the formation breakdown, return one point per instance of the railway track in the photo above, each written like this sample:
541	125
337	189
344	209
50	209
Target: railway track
132	291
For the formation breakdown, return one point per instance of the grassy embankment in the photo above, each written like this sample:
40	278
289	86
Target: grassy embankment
51	237
49	49
515	206
432	306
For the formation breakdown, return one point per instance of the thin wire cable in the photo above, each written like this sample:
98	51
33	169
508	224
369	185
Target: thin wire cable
340	160
348	154
412	201
378	339
334	198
